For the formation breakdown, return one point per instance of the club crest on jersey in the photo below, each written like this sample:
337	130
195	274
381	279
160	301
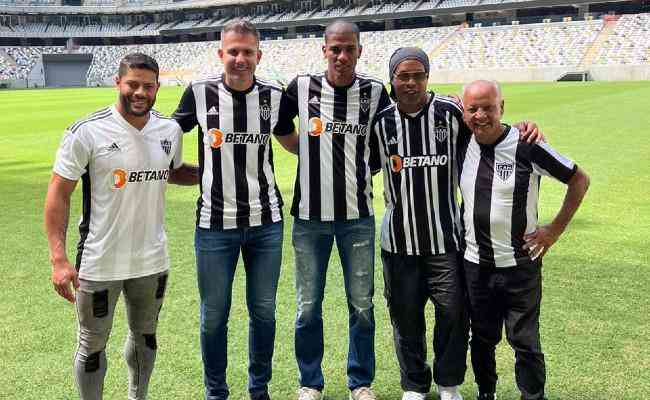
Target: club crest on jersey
504	170
166	145
364	103
441	132
265	112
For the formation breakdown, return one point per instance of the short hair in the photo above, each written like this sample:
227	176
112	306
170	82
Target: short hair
138	61
241	27
342	26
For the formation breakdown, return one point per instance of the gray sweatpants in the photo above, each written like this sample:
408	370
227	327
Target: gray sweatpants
95	309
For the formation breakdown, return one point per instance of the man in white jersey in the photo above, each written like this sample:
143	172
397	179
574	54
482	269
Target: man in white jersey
333	202
240	207
499	182
124	155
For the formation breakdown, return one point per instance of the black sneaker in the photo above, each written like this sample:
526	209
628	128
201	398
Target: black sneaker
486	396
260	396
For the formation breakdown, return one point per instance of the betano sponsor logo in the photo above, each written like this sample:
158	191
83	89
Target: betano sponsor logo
217	138
122	177
316	128
397	162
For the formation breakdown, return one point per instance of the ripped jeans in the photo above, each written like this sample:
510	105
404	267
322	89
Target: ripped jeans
312	242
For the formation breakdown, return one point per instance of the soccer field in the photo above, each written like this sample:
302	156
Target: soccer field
595	310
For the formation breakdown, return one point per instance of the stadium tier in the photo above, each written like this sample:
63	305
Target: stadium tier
563	44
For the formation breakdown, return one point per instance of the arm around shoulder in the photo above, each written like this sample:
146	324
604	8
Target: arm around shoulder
290	142
186	175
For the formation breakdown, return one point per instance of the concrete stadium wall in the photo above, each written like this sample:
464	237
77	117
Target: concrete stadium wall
598	73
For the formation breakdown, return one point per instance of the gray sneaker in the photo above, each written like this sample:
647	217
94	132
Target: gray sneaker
307	393
362	393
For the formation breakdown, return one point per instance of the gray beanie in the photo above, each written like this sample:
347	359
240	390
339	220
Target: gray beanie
407	53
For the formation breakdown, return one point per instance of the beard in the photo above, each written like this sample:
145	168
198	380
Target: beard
127	105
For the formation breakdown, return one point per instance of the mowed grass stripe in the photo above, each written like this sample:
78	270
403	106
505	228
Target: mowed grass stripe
594	313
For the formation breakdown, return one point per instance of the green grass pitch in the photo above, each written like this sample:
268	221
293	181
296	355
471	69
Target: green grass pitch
595	311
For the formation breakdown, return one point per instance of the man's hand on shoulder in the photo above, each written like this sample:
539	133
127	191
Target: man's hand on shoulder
529	132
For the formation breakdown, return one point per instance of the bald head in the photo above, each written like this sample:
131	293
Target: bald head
482	85
483	108
343	27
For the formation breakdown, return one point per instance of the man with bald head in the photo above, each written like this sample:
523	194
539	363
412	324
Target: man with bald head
499	183
333	202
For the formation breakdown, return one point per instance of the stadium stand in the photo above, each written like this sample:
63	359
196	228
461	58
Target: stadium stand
628	43
574	45
518	46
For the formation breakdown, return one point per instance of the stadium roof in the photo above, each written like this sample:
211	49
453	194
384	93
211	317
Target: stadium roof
126	8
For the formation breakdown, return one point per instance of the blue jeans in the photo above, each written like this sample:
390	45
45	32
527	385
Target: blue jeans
217	253
312	242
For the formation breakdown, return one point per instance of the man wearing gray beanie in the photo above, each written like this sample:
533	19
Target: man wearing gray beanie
415	140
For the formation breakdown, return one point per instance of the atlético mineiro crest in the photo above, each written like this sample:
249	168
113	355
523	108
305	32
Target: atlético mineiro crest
441	132
166	145
265	112
504	170
364	103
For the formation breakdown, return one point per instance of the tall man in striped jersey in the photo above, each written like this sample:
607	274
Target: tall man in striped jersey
333	200
240	207
420	236
499	182
124	155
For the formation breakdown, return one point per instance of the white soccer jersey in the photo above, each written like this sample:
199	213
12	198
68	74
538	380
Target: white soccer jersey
124	174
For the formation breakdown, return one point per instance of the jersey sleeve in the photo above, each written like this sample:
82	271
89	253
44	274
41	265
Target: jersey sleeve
73	155
185	113
288	111
177	159
375	149
547	162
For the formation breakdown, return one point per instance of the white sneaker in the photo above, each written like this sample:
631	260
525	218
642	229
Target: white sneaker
414	396
362	393
449	393
306	393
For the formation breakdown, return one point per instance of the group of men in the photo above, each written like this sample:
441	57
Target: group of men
488	251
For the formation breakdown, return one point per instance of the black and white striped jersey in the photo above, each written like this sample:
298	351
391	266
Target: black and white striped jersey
418	157
500	189
333	181
238	187
124	173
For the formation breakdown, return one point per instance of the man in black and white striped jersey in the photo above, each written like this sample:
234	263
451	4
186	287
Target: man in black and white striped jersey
333	201
420	238
240	206
499	182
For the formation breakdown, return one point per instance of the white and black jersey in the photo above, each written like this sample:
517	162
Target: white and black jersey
500	189
418	156
124	173
238	187
333	181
